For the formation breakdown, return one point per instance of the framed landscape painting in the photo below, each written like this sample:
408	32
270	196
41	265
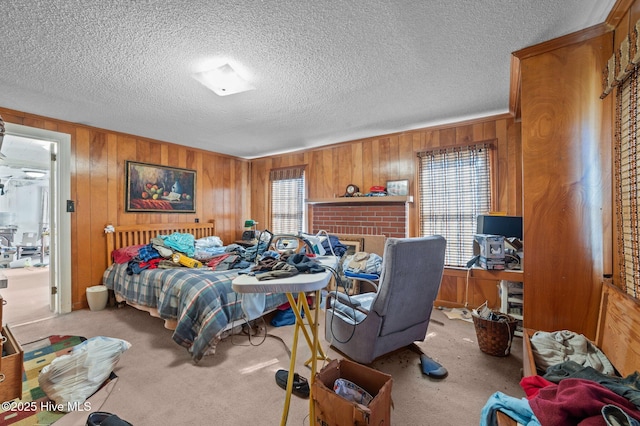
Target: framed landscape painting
154	188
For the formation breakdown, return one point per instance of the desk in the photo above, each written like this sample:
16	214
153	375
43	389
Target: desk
497	274
507	294
297	285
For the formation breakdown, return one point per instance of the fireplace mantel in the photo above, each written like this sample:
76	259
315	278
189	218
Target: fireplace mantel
388	215
355	200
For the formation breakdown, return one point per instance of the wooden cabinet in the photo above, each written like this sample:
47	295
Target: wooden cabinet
566	164
10	363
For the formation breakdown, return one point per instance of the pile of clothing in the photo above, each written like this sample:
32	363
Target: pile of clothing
273	265
362	262
579	386
161	251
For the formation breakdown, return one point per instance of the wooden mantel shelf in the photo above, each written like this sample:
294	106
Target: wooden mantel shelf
350	200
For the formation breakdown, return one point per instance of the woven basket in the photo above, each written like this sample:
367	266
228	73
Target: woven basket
495	337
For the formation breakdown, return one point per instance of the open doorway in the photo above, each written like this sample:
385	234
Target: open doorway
34	234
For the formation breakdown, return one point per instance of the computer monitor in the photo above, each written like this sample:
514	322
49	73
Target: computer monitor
507	226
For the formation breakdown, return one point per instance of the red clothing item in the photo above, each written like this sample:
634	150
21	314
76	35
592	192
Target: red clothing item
152	264
215	261
577	402
532	385
125	254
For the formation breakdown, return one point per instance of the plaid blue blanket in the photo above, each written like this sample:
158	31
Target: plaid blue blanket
200	300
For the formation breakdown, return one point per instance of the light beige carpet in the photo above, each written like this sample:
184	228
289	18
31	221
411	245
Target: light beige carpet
158	384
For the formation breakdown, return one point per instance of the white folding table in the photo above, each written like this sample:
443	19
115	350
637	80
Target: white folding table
298	285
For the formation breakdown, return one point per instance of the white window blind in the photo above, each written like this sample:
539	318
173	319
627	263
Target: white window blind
627	183
287	200
455	187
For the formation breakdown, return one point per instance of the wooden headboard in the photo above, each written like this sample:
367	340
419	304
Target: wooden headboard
131	235
619	329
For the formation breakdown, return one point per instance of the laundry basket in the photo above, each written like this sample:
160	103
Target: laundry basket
495	336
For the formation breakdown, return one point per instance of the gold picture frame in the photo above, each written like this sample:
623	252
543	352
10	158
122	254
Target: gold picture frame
155	188
353	246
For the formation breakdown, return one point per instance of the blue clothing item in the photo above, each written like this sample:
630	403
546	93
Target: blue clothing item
184	243
135	267
148	252
334	243
518	409
254	252
285	317
303	263
270	253
372	277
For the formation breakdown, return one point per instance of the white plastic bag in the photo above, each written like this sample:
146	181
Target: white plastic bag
352	392
70	379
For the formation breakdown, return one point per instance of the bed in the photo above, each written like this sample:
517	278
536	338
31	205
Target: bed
198	304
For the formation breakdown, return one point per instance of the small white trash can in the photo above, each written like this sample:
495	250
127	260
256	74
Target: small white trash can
97	296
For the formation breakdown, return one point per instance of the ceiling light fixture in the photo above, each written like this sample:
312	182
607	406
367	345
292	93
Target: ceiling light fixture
34	173
223	81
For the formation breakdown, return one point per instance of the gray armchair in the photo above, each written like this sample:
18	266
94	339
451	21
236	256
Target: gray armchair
366	326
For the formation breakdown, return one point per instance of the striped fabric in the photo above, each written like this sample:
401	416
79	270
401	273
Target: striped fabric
200	300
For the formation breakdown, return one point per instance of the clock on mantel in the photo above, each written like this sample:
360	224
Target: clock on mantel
351	190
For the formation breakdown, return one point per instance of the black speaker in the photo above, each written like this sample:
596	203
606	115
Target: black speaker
248	235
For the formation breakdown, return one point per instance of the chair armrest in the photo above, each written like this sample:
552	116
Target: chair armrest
372	283
342	298
348	308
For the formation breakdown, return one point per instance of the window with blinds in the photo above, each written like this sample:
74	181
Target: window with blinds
627	183
287	200
454	188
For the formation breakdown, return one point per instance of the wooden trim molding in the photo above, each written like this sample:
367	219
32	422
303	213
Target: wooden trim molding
564	41
355	200
515	88
618	11
547	46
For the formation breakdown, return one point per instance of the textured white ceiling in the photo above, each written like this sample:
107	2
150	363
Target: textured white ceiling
324	71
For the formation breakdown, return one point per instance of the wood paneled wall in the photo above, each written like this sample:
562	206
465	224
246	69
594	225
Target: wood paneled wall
98	178
566	143
373	161
98	183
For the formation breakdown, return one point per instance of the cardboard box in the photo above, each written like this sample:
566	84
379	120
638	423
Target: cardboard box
333	410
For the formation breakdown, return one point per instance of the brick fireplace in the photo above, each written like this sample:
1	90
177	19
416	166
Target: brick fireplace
365	217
